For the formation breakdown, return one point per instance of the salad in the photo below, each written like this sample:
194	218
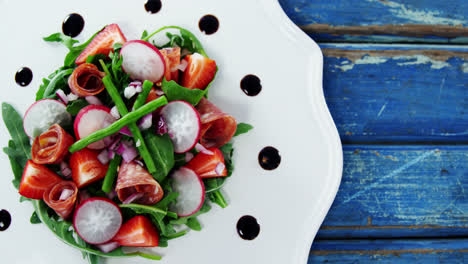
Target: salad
122	147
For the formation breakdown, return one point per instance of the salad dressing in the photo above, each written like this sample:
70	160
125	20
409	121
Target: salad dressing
23	76
251	85
73	25
269	158
153	6
208	24
5	220
248	227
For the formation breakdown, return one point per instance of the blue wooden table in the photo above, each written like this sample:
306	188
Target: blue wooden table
396	83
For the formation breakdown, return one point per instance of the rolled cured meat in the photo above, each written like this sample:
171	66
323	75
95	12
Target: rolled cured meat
62	198
172	59
51	146
217	127
86	80
134	180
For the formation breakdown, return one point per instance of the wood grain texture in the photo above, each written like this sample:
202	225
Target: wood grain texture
400	191
381	20
397	93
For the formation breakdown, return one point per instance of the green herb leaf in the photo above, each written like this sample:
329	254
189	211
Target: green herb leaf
162	152
193	224
185	40
242	128
218	198
174	91
228	150
62	38
75	106
191	221
144	34
34	218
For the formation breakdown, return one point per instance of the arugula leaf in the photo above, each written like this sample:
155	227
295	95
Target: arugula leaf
76	51
67	41
218	198
191	221
75	106
242	128
228	150
186	40
34	218
59	81
144	34
42	87
162	152
174	91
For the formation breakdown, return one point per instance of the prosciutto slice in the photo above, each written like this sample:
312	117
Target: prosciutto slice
86	80
172	60
217	127
51	146
61	198
134	179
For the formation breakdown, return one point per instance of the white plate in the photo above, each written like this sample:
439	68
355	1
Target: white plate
290	113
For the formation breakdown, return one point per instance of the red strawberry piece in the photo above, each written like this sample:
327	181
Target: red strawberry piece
102	43
86	167
36	180
137	232
199	73
205	164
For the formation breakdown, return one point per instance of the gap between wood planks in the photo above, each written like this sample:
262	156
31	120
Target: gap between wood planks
386	251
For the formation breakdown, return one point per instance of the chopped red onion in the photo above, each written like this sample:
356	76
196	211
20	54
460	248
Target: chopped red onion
65	170
127	151
114	112
219	168
161	128
129	92
108	247
203	150
138	143
139	89
135	83
133	197
72	97
110	154
103	157
62	96
159	92
188	156
146	121
139	162
126	131
182	65
66	193
91	99
111	195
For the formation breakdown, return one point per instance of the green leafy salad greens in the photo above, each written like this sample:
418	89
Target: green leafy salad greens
159	148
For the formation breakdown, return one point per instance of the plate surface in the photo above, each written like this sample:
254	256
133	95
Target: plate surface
290	114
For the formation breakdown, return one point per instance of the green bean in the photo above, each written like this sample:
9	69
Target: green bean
127	120
48	92
111	173
141	99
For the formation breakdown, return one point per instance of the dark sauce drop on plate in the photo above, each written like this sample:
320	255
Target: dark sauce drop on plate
251	85
153	6
5	220
208	24
73	25
269	158
23	76
248	227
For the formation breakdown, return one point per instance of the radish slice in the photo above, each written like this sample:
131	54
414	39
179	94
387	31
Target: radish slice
97	220
108	247
62	96
142	61
44	113
191	192
183	124
90	119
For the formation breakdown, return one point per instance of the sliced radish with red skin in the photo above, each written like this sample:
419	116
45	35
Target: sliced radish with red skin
97	220
142	61
90	119
191	192
183	124
43	114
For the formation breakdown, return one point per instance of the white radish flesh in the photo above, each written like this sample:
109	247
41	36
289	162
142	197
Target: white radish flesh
97	220
142	61
191	192
183	124
43	114
90	119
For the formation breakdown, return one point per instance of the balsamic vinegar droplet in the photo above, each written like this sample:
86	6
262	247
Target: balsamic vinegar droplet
153	6
208	24
73	25
5	220
251	85
269	158
248	227
23	76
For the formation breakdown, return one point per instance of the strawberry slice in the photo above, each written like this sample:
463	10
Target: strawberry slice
153	95
36	180
199	73
172	59
137	232
102	43
86	167
208	165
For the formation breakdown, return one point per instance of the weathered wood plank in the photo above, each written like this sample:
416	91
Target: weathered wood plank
400	191
390	251
404	93
381	20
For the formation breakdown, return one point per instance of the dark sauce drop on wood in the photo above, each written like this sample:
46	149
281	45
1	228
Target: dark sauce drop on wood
208	24
23	76
73	25
251	85
5	220
269	158
247	227
153	6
